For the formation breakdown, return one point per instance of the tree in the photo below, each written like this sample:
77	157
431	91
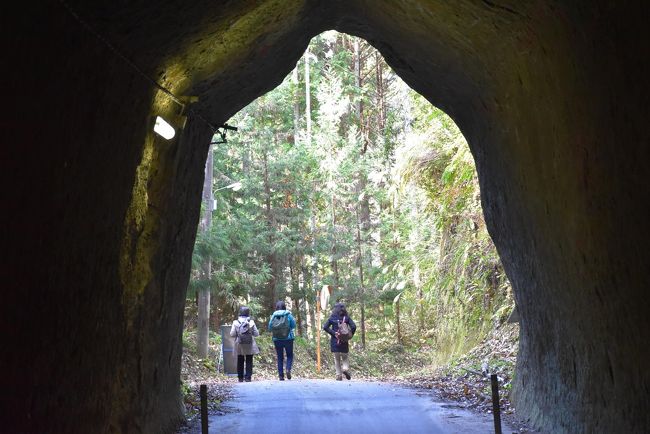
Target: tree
351	180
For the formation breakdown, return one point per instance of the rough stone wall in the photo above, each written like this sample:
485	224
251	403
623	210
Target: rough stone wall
101	217
550	99
102	213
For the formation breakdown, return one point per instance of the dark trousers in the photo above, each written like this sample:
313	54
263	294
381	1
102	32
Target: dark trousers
249	367
280	348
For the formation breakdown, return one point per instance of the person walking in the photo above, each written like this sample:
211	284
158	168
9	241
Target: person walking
245	330
282	326
341	328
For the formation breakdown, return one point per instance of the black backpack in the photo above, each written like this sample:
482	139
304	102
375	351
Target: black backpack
244	333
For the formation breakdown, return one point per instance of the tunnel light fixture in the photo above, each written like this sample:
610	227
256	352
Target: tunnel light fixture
163	128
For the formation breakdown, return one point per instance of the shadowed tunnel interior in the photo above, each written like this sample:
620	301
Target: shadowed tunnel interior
102	213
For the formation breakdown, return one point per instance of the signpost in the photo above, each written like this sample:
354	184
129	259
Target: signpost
325	296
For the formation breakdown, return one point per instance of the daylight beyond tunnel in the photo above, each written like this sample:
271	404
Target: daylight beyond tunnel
102	213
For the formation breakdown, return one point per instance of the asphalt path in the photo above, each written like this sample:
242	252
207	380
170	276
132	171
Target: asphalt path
317	406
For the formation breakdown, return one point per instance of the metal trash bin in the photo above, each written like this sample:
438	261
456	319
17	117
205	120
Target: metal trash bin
228	351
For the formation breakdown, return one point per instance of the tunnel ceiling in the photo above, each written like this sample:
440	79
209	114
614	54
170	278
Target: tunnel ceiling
552	98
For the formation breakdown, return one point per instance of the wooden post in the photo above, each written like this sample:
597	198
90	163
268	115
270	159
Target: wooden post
204	409
496	410
318	332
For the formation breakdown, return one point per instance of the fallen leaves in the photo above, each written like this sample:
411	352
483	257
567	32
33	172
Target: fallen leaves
466	382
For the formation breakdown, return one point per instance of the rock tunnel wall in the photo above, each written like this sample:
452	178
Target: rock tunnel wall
102	213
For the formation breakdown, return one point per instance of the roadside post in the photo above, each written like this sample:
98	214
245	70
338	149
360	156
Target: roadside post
496	410
204	409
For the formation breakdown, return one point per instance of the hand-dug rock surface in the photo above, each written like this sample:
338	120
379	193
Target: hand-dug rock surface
101	213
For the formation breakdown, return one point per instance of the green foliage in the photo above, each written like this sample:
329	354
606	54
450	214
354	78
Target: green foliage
382	187
210	365
189	343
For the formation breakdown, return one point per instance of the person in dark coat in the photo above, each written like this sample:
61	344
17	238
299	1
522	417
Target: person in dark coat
340	348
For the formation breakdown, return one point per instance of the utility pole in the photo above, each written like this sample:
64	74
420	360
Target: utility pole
204	294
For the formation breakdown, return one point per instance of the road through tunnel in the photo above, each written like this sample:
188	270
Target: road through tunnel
102	212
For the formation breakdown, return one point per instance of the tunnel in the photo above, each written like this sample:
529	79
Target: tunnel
101	213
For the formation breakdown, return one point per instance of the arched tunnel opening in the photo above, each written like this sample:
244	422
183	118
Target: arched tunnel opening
344	181
102	213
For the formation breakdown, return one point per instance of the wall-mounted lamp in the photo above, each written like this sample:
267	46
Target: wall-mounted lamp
163	128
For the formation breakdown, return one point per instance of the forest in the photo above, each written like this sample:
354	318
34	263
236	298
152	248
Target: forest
346	177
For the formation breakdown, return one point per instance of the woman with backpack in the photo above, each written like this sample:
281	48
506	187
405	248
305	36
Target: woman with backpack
245	330
341	329
282	325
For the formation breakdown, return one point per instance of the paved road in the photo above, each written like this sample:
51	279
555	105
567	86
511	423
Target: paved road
317	406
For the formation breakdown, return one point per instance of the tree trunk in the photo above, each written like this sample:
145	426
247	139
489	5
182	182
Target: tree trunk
417	281
358	106
357	79
362	214
312	218
203	324
314	255
271	257
295	293
296	105
420	294
361	285
215	313
334	251
246	161
381	93
307	99
308	293
399	330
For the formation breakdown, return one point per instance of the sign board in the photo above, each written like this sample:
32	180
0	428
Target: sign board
325	297
228	351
